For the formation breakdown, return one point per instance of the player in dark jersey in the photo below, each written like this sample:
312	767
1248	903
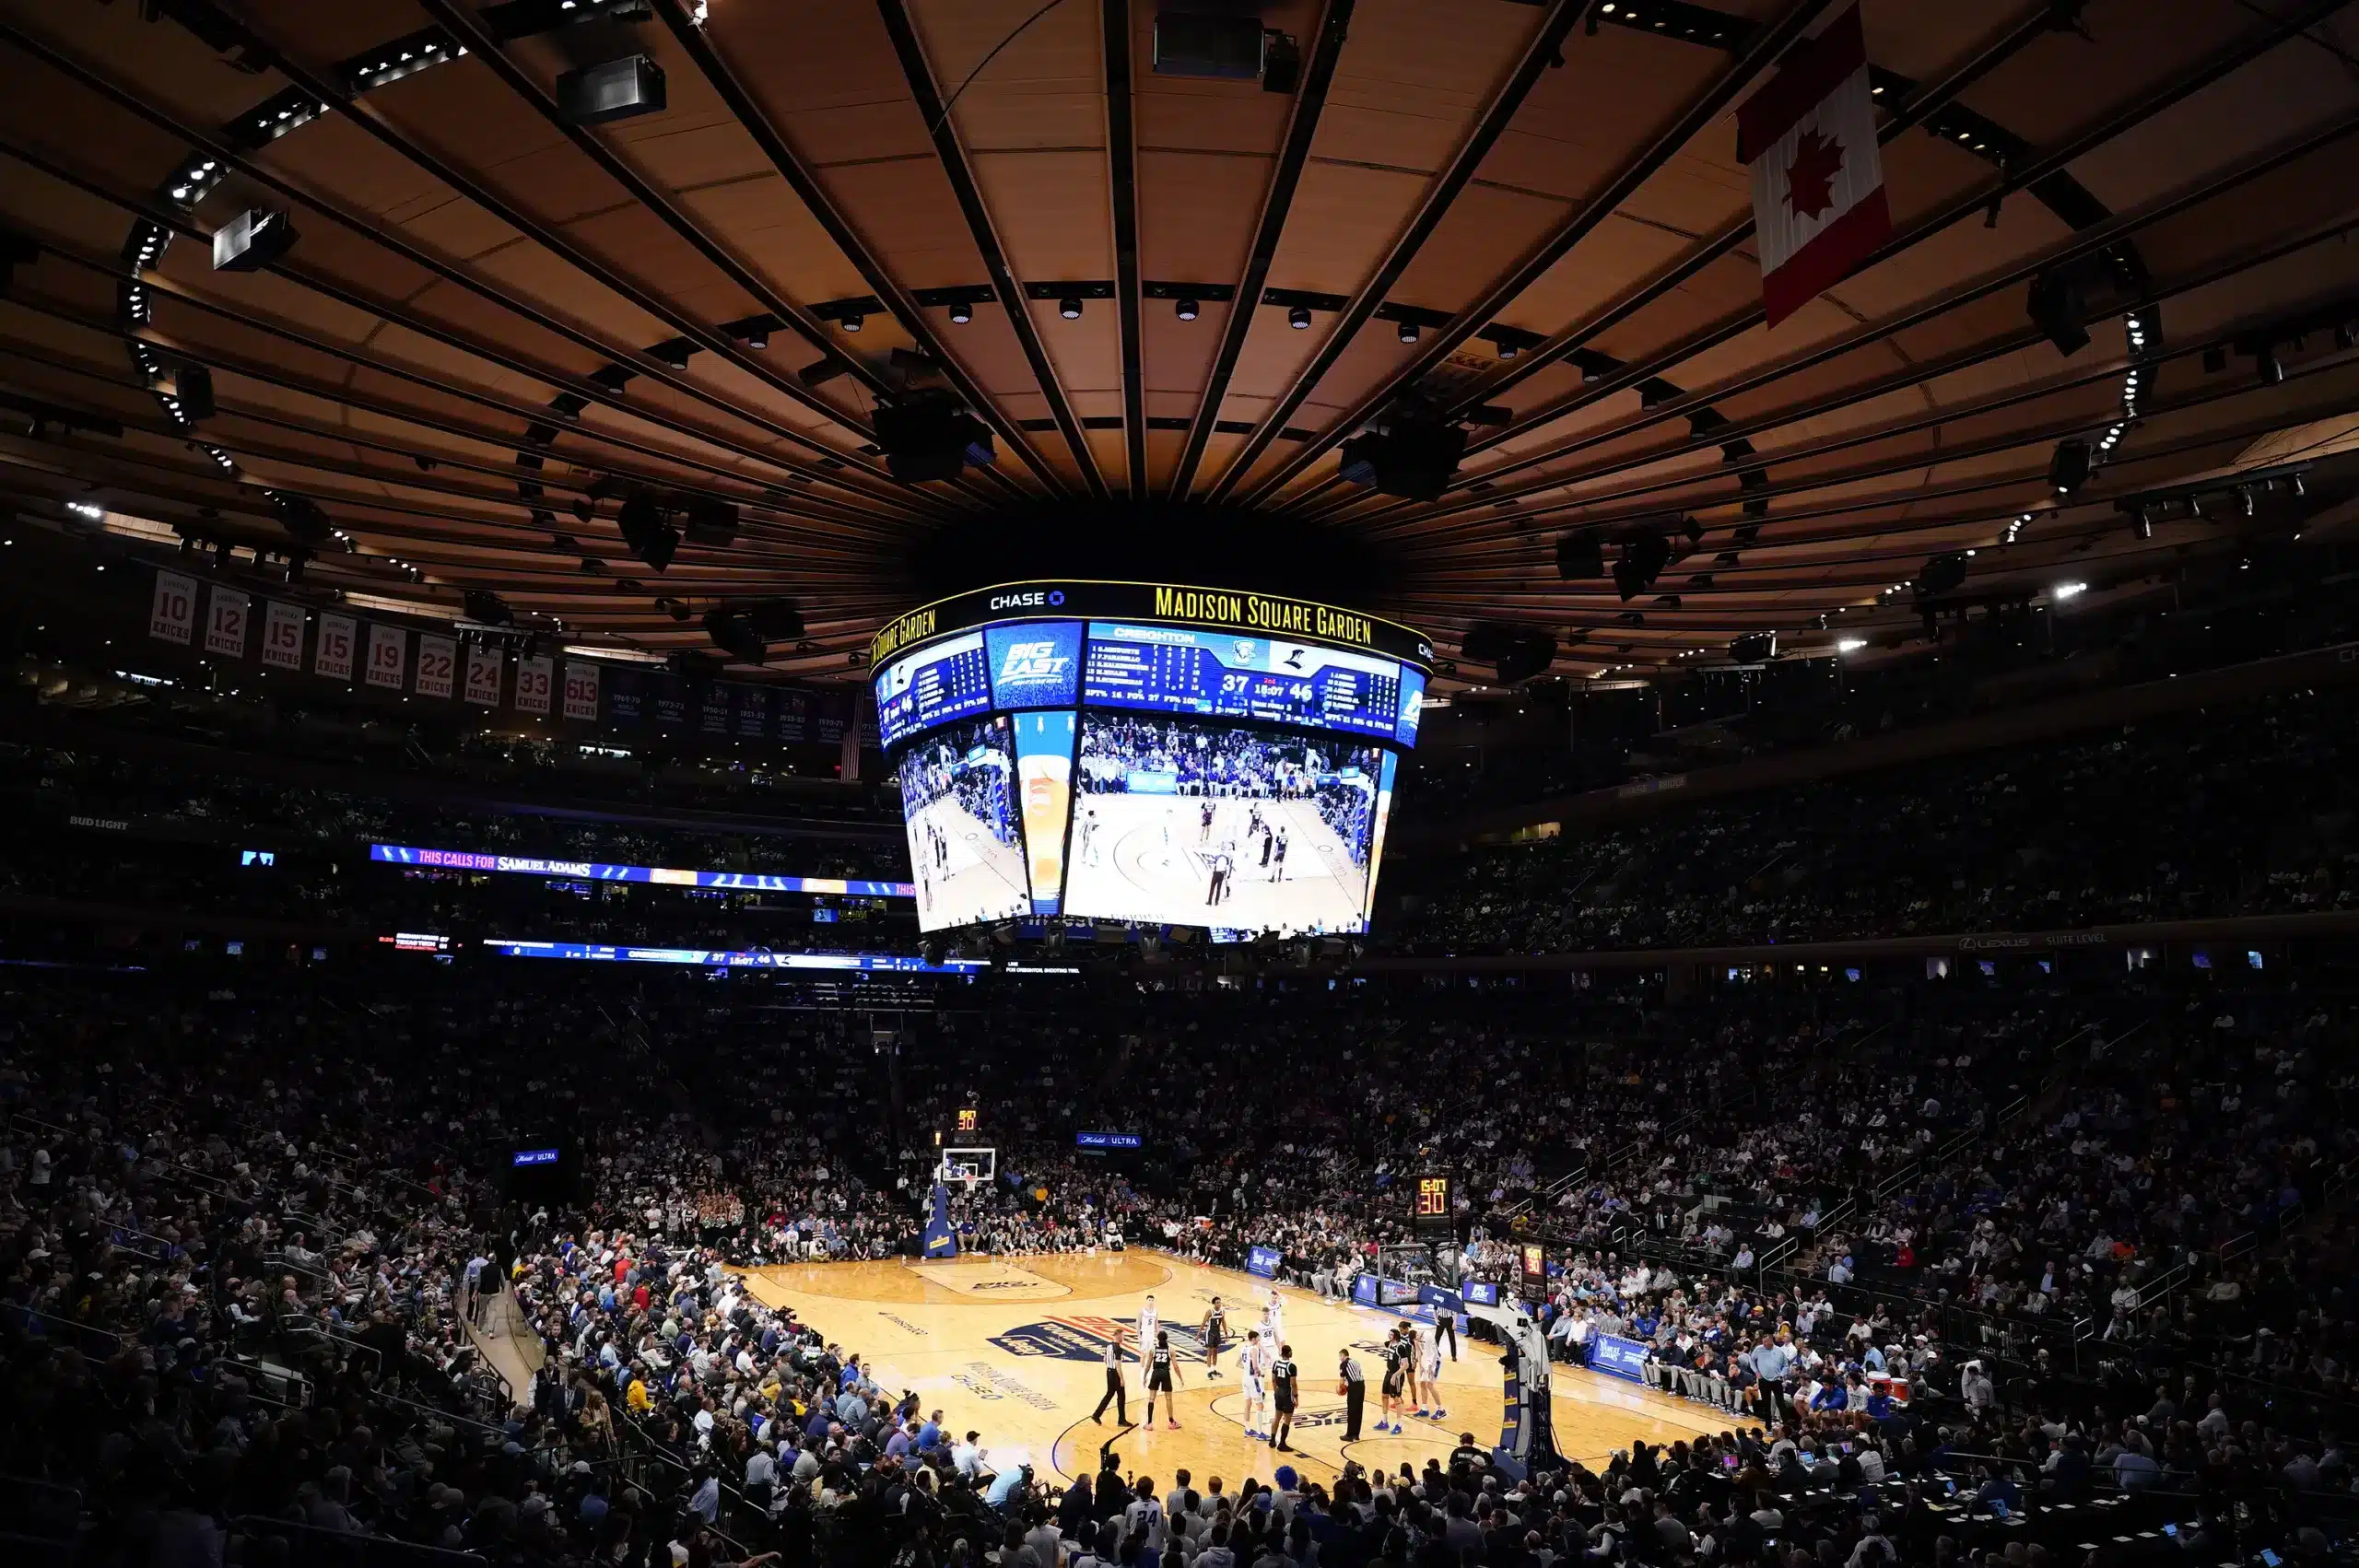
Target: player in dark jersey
1214	1334
1281	1398
1162	1368
1396	1377
1278	871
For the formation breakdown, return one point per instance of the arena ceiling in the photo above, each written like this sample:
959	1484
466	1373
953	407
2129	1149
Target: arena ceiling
493	322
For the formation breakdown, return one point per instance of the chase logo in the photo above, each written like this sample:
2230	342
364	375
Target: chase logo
1033	661
1033	599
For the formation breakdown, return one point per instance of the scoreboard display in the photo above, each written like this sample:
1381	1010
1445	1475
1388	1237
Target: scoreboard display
1218	675
950	680
966	1119
1431	1214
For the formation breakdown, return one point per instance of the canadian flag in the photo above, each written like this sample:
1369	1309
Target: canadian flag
1810	139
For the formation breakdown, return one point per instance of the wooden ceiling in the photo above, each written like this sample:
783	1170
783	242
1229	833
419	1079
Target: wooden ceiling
492	317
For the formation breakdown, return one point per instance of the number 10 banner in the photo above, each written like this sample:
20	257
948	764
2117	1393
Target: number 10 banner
172	616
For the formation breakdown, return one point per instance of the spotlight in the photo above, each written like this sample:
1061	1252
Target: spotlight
1185	310
1069	307
1408	331
1510	350
744	630
2272	369
1300	318
1754	648
758	339
852	324
2068	470
962	312
1944	573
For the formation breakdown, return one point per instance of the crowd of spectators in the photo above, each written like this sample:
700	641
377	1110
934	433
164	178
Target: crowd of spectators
2223	813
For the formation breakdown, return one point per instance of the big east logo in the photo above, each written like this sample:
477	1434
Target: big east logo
1033	661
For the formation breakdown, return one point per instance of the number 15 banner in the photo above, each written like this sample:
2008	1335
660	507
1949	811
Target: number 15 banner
282	636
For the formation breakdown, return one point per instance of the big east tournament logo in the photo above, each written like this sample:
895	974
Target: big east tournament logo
1083	1339
1030	661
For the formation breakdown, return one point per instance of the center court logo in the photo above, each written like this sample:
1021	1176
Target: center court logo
1083	1339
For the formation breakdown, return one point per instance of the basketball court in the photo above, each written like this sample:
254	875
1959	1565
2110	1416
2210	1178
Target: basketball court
1013	1348
1149	857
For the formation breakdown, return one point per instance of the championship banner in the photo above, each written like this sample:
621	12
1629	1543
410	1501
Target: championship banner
388	655
225	625
171	616
1809	138
332	654
438	660
582	691
534	678
282	634
483	674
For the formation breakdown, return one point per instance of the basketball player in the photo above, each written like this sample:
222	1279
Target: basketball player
1278	870
1150	1325
1205	833
1274	1321
1161	1366
1281	1398
1427	1369
1089	836
1396	1375
1215	1333
1251	1368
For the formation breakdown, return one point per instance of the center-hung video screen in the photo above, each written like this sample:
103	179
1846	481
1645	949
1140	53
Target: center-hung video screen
958	803
1178	821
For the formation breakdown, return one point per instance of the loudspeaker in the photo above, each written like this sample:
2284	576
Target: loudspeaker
1581	557
1189	44
1517	653
2070	468
617	90
1754	648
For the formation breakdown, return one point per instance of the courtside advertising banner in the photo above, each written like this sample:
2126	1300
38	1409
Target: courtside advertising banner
534	678
282	636
172	616
225	626
438	659
483	675
332	654
388	656
1264	1261
1618	1357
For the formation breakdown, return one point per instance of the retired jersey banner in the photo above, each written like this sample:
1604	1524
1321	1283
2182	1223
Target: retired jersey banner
533	679
1809	138
388	656
225	623
438	660
582	691
282	636
483	674
332	653
172	616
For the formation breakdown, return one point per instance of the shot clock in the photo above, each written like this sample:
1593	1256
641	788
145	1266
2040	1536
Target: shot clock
1430	1215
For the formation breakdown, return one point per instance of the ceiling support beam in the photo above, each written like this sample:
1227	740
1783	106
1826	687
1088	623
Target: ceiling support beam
1122	190
1767	44
927	96
1278	202
1540	53
724	80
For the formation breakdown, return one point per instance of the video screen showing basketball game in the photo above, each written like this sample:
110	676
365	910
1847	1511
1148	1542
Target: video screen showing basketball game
958	802
1178	822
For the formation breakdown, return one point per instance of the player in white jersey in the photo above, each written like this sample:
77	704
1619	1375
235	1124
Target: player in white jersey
1274	1321
1253	1372
1425	1372
1148	1322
